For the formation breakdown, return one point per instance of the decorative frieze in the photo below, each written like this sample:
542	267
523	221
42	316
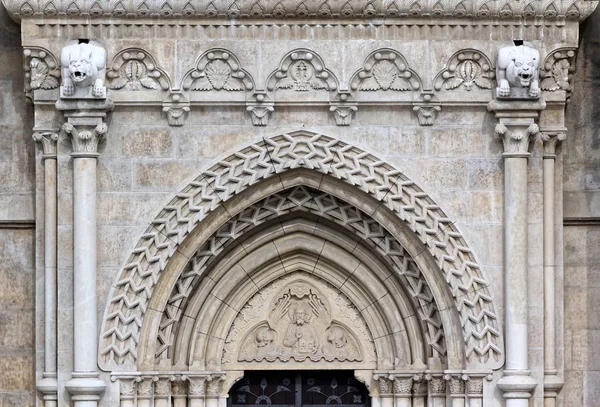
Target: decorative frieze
549	10
302	70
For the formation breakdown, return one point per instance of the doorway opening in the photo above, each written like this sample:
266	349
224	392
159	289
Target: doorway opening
307	388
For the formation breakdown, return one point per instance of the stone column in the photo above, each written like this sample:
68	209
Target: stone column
475	391
48	384
197	391
86	126
437	390
552	383
456	383
419	392
127	392
179	389
162	392
213	391
386	391
516	126
145	392
403	391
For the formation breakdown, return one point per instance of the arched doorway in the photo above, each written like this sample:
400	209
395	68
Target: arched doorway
303	236
299	388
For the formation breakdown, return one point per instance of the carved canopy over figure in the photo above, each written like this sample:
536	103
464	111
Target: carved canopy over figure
518	68
83	66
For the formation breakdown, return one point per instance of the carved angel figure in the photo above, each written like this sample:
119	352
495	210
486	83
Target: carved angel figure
83	68
518	67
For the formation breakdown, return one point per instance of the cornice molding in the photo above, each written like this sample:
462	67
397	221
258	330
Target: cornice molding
276	10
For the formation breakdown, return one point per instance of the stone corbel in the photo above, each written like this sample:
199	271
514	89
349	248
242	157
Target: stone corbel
343	109
427	108
176	106
260	109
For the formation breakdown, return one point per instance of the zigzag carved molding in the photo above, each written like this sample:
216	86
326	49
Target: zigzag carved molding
135	283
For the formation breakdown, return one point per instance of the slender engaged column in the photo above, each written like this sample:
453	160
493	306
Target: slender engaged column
456	384
197	391
48	385
127	392
475	391
85	125
145	392
419	392
179	389
516	127
213	391
386	390
552	383
162	392
403	391
437	390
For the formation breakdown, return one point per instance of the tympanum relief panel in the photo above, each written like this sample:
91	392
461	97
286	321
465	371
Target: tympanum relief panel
298	319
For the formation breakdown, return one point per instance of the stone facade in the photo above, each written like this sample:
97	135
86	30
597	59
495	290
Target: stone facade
213	189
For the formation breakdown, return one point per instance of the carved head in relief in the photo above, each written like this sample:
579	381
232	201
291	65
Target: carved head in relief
83	65
80	64
518	68
300	313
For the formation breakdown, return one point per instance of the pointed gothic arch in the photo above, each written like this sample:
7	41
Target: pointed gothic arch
155	285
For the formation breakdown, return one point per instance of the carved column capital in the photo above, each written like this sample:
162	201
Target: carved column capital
162	388
551	138
456	383
48	140
475	387
213	386
403	386
145	388
437	386
127	389
86	124
176	107
516	139
196	386
385	385
342	113
427	108
179	388
419	386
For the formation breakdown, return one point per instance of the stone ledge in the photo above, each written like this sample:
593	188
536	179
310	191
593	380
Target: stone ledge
274	10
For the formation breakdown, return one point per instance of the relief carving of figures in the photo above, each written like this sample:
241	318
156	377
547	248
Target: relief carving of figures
301	71
517	71
298	325
134	69
218	70
466	70
83	67
385	70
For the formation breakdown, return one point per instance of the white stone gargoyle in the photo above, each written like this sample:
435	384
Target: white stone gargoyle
83	66
518	68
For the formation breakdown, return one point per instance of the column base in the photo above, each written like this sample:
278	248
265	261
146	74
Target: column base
517	385
552	385
48	386
85	388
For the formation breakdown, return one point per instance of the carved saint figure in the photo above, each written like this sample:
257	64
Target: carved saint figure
518	67
299	334
83	66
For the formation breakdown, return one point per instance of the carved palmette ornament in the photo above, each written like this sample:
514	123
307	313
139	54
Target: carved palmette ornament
475	386
385	70
134	69
466	70
302	70
41	69
558	69
218	70
437	386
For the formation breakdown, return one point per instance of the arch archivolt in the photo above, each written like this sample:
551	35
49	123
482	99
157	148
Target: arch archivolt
444	309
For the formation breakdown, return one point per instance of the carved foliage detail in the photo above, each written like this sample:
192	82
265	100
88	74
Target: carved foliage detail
134	69
468	69
385	70
218	70
41	69
558	70
302	70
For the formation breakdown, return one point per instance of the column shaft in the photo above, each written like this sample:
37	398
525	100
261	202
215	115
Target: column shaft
549	275
84	256
515	254
50	222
